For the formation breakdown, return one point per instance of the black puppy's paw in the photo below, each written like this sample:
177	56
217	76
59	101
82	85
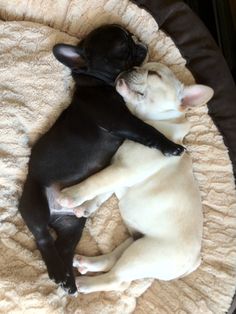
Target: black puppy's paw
58	279
57	274
173	150
69	285
65	281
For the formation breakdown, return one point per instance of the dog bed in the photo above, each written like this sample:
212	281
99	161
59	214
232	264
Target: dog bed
35	88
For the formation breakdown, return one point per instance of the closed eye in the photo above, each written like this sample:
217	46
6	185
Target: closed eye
155	73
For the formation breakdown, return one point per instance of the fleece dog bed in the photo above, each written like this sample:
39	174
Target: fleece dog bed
35	88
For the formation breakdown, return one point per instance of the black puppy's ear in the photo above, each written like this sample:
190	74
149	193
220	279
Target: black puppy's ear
69	55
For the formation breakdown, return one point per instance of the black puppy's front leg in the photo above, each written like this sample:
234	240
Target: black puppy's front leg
118	120
136	130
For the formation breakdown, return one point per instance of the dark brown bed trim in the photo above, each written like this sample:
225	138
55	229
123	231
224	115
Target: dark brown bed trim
205	61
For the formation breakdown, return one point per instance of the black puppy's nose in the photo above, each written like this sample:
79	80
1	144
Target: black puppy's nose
141	53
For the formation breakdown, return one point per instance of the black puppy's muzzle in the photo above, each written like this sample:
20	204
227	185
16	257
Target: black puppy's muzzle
138	50
140	54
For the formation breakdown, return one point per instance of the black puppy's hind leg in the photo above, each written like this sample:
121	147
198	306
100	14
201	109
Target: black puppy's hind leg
34	209
69	230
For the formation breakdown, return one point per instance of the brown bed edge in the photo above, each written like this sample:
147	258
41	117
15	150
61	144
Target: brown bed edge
207	64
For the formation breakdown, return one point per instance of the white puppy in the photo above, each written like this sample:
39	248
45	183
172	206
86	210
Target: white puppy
159	199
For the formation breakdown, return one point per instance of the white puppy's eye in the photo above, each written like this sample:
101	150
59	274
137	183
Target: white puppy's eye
155	73
141	94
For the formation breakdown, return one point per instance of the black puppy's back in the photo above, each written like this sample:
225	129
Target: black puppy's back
78	145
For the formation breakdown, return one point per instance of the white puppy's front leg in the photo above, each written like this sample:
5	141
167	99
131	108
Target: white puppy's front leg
103	182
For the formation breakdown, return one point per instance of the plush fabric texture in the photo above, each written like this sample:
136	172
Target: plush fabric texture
34	89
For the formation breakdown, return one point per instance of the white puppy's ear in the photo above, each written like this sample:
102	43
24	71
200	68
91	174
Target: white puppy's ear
124	90
195	95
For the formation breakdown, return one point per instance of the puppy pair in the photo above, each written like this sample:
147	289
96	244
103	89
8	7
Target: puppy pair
159	199
82	141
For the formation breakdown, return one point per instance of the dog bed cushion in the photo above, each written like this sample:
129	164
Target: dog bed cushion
35	89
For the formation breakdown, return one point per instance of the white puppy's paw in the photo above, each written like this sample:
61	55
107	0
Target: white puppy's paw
84	285
80	212
84	210
69	198
84	264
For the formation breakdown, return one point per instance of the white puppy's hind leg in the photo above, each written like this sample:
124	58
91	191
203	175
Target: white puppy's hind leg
133	264
144	258
105	282
103	262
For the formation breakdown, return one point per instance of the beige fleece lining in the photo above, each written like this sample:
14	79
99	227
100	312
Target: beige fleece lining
35	88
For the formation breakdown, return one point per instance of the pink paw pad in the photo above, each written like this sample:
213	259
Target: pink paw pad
82	270
65	202
79	211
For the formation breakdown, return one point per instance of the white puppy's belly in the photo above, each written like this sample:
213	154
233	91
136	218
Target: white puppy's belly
167	204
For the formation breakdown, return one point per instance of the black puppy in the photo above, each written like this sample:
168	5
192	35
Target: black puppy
83	141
